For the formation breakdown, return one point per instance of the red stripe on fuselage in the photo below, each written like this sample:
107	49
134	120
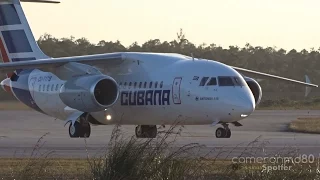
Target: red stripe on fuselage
8	89
5	57
4	54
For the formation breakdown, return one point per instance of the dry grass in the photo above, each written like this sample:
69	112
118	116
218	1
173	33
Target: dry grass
129	158
54	168
306	125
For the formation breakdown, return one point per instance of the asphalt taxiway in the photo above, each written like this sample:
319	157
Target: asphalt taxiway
263	132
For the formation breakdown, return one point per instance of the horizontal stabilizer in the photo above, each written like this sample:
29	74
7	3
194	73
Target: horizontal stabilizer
40	1
33	1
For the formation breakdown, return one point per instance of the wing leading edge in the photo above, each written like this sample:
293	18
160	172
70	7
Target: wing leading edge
261	74
45	64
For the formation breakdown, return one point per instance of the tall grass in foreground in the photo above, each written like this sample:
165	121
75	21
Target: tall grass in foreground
150	159
129	158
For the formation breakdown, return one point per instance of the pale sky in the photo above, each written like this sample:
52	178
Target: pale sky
281	23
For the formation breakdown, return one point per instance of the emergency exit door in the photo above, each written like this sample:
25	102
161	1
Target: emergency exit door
176	90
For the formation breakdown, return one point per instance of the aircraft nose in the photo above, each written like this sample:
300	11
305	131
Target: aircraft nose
242	104
247	105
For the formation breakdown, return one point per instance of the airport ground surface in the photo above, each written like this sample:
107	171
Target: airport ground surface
20	130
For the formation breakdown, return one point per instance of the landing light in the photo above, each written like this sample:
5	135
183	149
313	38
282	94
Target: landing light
108	117
243	115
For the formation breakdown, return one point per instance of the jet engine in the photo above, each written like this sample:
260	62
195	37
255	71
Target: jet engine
255	89
90	93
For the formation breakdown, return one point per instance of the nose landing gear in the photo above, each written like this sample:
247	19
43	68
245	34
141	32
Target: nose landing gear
224	132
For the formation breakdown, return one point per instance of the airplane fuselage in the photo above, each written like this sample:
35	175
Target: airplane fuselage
154	90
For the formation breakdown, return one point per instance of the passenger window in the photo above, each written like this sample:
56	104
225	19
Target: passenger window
156	85
212	82
52	87
43	87
48	87
161	84
225	81
145	85
130	84
57	87
125	85
203	81
120	84
135	85
140	85
150	85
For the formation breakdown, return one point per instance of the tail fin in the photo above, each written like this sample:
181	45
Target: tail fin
17	42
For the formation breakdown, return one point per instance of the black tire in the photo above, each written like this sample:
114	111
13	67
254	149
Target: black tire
75	131
220	133
146	131
138	135
228	133
85	131
152	132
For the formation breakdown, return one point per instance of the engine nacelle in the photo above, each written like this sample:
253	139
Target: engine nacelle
90	93
255	89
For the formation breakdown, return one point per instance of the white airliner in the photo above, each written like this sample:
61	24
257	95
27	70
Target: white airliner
131	88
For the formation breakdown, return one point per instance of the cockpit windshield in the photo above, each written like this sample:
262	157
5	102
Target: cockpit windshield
231	81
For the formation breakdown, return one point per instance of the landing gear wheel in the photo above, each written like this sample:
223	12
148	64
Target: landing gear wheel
220	133
79	130
75	130
138	132
152	132
146	131
228	135
85	131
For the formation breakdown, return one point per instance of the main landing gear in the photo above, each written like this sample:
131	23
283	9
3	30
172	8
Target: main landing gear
80	129
146	131
224	132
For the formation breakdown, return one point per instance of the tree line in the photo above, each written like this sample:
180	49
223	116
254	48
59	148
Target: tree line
288	63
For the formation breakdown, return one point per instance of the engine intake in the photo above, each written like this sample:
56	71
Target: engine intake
255	89
90	93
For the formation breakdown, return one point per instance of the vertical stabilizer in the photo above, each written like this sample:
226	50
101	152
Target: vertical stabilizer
17	42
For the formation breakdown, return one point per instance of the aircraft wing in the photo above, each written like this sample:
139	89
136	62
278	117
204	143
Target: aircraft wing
109	59
265	75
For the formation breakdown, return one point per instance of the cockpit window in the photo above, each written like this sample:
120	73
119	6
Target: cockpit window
225	81
212	82
203	81
239	81
230	81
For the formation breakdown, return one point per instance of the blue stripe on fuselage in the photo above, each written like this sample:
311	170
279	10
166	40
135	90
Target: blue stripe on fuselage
8	15
22	92
16	41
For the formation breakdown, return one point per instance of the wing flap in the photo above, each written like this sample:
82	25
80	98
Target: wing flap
272	76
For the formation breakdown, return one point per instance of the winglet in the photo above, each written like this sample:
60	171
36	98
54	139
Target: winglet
308	89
